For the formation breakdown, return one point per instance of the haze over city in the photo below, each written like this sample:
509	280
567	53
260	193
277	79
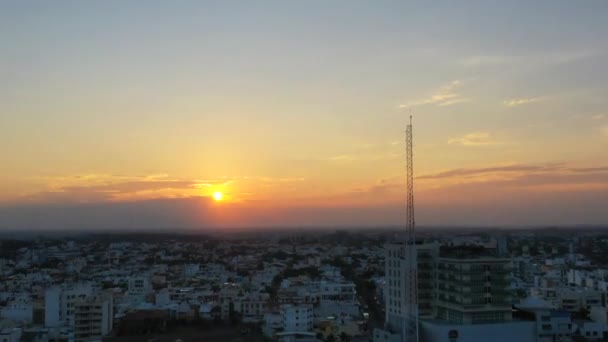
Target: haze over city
131	115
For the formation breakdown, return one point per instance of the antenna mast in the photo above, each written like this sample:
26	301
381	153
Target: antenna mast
411	253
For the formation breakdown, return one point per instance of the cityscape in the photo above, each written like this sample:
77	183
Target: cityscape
303	171
519	285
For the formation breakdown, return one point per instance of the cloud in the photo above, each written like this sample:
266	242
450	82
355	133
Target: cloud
368	152
100	188
342	157
493	169
529	194
486	60
604	131
522	101
598	116
444	96
532	61
381	187
115	189
474	139
552	176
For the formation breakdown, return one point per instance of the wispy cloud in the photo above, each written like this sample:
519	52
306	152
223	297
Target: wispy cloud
522	101
532	61
549	171
90	188
444	96
598	116
104	187
474	139
485	60
342	157
518	179
368	152
514	168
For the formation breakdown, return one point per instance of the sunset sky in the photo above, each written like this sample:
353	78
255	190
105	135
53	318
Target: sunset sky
131	114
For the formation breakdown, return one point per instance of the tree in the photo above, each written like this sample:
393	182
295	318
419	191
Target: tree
234	316
583	313
344	337
216	312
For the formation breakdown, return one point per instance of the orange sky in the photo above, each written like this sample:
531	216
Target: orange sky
297	114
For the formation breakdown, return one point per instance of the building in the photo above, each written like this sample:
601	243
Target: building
291	322
457	286
18	312
551	325
59	303
472	286
253	307
10	334
297	317
337	290
191	270
396	269
139	286
574	299
442	331
93	317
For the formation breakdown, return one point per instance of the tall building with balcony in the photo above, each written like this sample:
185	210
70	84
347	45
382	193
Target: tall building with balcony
93	318
463	291
396	270
472	286
59	303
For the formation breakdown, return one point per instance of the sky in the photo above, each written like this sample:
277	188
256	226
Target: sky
129	114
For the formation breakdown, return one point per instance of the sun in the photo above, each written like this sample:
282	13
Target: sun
217	196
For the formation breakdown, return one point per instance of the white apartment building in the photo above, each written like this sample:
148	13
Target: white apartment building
254	306
139	286
552	325
397	270
93	318
574	299
10	334
337	290
290	321
18	312
297	317
592	331
59	303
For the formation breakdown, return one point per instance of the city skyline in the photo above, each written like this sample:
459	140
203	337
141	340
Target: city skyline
118	115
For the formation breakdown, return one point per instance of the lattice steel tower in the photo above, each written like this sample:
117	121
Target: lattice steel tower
411	321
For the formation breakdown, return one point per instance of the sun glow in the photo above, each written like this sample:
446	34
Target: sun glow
217	196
